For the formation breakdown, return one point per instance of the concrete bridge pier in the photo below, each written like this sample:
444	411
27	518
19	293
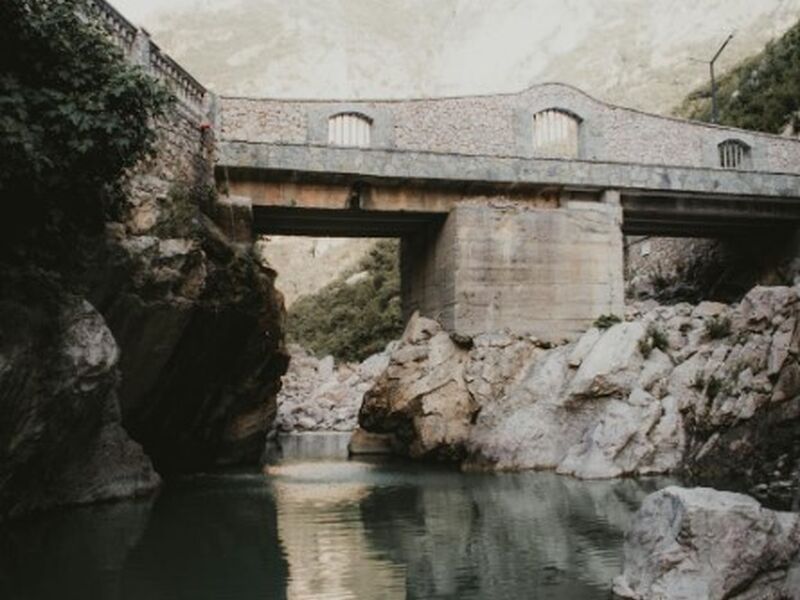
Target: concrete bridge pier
547	271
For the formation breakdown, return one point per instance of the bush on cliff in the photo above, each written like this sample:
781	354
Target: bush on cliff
762	93
353	320
74	116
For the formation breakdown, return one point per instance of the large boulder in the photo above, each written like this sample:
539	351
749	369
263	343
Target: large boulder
61	438
422	397
685	544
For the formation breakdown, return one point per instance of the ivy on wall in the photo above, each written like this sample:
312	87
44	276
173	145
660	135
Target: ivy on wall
74	117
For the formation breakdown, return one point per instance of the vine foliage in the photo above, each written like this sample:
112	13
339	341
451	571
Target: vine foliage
74	118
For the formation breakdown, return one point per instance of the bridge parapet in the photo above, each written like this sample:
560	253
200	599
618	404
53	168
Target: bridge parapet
135	42
506	125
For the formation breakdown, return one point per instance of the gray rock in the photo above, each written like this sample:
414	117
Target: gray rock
598	407
62	441
686	544
317	395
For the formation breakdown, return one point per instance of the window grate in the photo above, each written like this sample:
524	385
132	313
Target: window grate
732	154
555	133
349	129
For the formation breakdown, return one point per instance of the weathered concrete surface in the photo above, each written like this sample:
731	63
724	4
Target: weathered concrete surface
430	166
548	272
686	544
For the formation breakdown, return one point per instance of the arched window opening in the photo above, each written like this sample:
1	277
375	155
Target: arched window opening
733	154
555	133
349	129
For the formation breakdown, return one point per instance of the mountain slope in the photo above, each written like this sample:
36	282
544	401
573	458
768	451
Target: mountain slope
762	93
625	51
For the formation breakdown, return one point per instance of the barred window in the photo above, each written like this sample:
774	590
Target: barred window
733	154
349	129
555	133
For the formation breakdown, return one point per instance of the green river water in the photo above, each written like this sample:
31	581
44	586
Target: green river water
332	529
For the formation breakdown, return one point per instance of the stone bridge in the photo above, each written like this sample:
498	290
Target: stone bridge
511	208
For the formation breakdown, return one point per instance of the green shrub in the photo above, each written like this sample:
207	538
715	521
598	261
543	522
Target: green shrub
658	338
761	93
74	117
351	322
718	328
714	388
654	338
606	321
699	382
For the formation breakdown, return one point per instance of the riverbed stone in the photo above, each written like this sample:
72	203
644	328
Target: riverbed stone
685	544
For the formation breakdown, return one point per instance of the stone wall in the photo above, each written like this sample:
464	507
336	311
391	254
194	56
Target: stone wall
545	271
501	125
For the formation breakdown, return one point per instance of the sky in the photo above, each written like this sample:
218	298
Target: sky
633	52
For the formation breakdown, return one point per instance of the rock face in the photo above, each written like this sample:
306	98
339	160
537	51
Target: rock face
712	390
196	316
422	397
700	543
199	324
61	438
318	395
157	338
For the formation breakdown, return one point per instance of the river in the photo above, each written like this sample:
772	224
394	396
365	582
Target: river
332	529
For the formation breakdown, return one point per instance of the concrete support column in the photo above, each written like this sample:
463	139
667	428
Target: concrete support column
548	272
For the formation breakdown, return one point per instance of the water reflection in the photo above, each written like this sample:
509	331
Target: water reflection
332	530
439	534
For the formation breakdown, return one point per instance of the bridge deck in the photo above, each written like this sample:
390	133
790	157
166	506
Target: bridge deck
397	189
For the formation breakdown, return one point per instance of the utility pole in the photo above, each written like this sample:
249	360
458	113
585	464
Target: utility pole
714	105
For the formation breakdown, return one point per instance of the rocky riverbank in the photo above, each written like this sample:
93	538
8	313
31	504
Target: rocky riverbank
319	395
700	543
710	391
155	346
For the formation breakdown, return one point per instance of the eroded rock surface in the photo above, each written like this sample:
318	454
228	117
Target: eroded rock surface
422	397
318	395
712	390
199	324
685	544
61	438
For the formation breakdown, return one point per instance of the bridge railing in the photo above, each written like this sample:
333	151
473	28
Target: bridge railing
135	42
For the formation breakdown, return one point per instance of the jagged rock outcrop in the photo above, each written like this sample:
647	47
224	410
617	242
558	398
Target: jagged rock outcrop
318	395
158	339
61	437
701	543
199	324
422	397
711	390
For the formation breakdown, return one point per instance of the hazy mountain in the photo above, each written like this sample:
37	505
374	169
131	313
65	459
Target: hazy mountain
632	52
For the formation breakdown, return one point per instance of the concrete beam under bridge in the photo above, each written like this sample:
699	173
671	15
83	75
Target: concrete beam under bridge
319	222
